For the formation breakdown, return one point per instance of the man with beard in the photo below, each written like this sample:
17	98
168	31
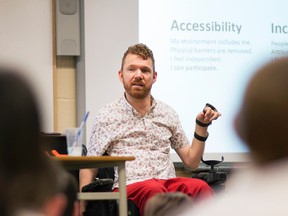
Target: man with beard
139	125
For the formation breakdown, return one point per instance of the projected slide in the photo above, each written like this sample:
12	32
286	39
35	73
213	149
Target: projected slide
206	51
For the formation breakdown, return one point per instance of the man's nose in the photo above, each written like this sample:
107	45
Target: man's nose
138	73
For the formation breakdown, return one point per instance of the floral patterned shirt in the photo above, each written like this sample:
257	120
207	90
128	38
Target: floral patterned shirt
120	130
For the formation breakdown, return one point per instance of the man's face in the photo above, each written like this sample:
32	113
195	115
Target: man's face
137	76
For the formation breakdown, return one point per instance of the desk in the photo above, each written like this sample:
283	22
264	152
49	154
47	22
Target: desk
81	162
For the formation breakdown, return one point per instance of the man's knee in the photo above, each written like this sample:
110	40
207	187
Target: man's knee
153	188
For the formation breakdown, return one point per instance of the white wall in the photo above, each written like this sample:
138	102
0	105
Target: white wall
109	30
26	40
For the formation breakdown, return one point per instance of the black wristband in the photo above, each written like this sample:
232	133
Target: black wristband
200	138
202	124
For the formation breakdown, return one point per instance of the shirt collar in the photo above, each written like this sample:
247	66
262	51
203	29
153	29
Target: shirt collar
129	107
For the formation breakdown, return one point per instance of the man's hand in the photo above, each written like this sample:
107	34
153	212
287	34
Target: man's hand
209	114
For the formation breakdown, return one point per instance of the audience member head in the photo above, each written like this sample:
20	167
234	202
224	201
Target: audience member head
262	119
29	180
167	204
20	125
37	191
141	50
69	187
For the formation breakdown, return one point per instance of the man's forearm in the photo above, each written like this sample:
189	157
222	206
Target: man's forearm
86	176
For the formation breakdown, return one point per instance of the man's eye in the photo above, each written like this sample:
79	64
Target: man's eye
131	69
145	70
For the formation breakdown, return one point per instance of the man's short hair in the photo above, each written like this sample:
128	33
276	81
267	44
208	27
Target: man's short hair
139	49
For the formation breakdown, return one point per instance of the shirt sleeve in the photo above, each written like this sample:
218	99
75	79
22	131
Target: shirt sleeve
99	141
179	138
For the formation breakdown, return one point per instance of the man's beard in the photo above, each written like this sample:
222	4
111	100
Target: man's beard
137	93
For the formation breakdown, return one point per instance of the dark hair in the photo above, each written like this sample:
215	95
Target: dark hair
141	50
23	164
20	125
69	189
28	177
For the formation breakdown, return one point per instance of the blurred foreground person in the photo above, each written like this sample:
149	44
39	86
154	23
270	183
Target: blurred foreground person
167	204
262	124
29	180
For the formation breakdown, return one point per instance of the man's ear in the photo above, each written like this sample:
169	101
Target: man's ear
55	206
120	75
155	76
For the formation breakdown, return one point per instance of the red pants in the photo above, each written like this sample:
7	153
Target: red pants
140	192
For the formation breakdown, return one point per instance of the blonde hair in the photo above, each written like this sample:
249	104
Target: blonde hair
167	204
